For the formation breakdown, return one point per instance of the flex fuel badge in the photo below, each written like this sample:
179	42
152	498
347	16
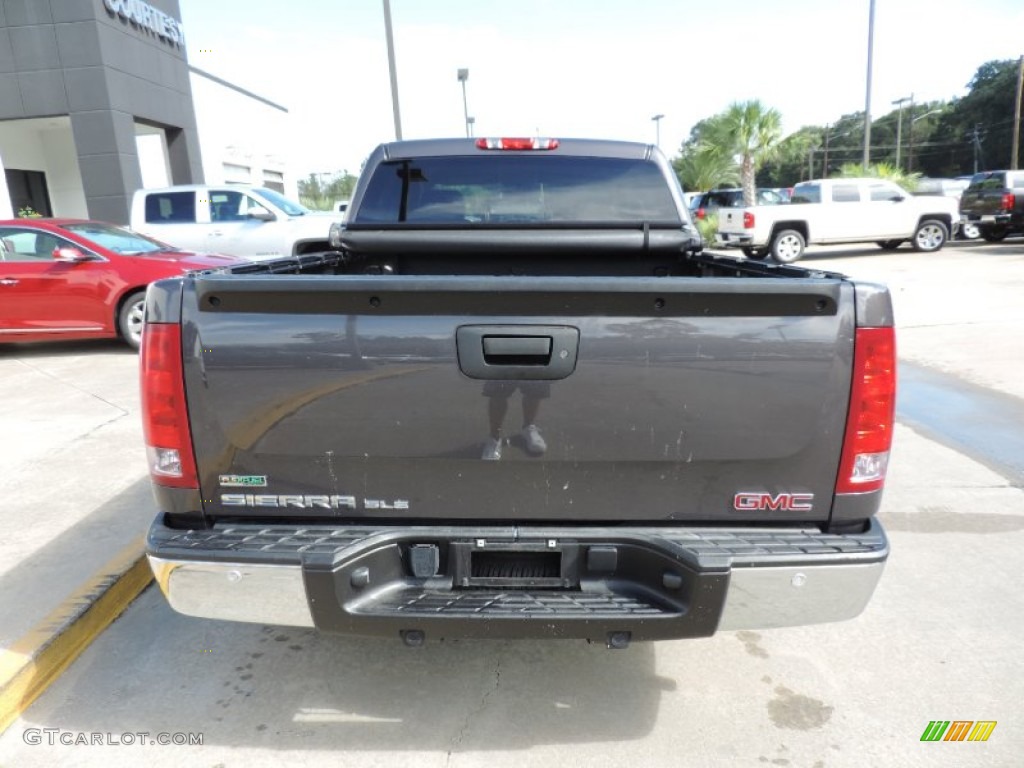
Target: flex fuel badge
243	481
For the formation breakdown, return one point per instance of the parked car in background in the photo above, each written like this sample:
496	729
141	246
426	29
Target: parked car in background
705	204
994	202
253	222
66	279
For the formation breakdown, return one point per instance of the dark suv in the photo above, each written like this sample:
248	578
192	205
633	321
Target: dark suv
995	202
707	203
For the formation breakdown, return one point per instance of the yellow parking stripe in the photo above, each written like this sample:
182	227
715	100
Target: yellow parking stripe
35	660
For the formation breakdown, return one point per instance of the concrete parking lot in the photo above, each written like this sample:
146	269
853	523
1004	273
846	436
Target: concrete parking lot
940	640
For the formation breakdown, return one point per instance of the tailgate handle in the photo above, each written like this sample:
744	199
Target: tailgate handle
515	352
504	350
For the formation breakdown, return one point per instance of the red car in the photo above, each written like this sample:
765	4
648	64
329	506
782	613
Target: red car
73	279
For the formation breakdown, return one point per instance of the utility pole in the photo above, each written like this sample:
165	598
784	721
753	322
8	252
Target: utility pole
910	150
391	69
899	125
1015	156
976	142
824	164
867	97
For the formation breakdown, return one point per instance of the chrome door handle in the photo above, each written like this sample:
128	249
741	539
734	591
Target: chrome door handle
8	281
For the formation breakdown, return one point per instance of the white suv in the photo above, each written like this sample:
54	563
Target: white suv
252	222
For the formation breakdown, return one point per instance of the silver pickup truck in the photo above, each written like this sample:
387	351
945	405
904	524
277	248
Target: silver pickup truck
518	401
845	210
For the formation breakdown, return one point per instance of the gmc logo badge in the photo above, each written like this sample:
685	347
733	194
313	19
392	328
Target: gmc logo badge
779	502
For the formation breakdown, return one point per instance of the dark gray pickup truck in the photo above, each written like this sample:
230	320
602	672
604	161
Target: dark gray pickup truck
518	401
994	202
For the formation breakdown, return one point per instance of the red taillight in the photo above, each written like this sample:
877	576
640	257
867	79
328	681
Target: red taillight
872	412
1009	201
517	143
748	220
701	213
164	414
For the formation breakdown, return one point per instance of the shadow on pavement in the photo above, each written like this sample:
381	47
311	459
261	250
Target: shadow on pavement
62	348
286	688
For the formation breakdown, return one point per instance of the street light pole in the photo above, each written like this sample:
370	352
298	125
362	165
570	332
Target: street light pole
657	130
824	165
867	97
899	125
463	77
391	69
910	154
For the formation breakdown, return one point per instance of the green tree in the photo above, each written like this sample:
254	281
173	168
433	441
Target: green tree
319	194
798	153
752	133
975	129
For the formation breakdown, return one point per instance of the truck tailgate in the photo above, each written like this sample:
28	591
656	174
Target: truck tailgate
661	399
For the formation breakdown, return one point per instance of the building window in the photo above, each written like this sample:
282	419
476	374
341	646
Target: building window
274	180
28	192
237	174
171	207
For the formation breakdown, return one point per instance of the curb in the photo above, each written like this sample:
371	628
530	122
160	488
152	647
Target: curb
37	658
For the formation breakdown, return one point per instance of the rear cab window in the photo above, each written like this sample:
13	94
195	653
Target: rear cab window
989	180
495	190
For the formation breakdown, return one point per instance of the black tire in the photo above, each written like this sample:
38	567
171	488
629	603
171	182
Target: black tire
995	234
129	319
930	236
787	246
889	245
756	254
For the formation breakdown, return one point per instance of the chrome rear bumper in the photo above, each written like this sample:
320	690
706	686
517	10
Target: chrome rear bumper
655	591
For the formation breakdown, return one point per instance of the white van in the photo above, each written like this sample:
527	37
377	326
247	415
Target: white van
252	222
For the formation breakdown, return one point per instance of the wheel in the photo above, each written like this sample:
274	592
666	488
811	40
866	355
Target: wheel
889	245
969	230
757	254
129	319
787	246
931	235
995	234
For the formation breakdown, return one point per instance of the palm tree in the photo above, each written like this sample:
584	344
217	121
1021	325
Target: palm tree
882	171
752	133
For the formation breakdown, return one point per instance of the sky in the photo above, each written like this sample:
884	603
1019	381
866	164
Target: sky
584	68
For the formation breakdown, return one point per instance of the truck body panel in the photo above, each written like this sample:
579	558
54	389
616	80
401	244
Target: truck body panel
359	387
